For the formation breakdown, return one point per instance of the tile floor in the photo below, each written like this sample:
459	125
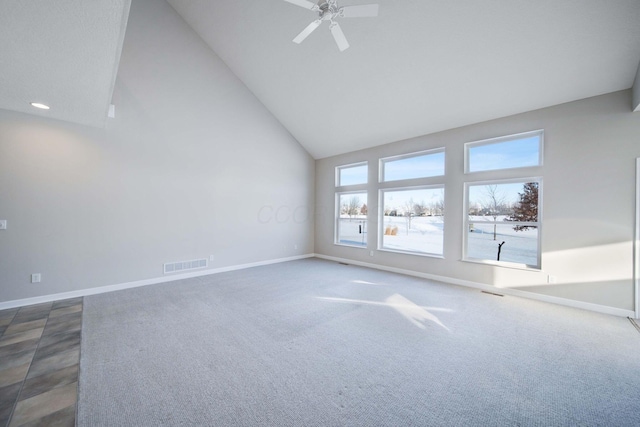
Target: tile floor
39	360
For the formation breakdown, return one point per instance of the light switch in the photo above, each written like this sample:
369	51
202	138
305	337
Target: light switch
3	224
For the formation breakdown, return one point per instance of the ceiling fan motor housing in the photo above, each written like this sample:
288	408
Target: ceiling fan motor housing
328	9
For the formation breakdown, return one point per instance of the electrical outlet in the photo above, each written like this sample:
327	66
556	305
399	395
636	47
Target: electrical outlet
3	224
211	257
371	253
36	278
552	279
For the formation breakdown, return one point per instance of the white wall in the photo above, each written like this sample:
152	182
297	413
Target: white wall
588	202
193	165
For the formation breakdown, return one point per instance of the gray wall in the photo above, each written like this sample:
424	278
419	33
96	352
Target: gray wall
635	101
193	165
588	202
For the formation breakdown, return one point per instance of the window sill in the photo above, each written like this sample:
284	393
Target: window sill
504	264
422	254
350	246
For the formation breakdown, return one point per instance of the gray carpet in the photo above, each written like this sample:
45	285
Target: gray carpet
316	343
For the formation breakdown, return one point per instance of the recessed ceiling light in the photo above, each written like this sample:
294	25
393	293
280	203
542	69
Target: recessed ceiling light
39	105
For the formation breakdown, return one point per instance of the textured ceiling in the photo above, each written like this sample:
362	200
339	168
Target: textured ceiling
422	66
63	53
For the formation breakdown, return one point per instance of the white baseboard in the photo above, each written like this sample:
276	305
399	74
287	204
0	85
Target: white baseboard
138	283
483	286
170	278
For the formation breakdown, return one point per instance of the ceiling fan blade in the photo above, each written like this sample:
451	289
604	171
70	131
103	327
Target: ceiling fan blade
310	29
360	11
302	3
339	37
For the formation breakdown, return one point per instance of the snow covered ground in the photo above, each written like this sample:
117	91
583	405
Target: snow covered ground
519	247
426	235
353	231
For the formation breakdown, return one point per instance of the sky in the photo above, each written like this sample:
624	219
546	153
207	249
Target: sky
508	154
414	167
513	153
507	193
397	199
422	166
353	175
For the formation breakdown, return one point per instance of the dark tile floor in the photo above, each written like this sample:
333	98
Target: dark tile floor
39	360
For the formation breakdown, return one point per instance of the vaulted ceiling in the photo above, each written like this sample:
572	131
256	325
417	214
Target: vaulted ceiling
62	53
420	67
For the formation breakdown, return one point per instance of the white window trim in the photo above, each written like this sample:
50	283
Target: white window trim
500	139
336	221
465	224
380	246
383	160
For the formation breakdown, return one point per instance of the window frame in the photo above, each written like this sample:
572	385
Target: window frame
538	224
338	184
381	215
336	225
501	139
383	160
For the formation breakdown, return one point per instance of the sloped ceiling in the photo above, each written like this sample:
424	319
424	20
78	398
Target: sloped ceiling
422	66
63	53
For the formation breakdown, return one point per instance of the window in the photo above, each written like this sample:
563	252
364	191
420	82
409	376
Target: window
412	220
351	206
502	219
417	165
503	222
516	151
351	219
411	213
351	174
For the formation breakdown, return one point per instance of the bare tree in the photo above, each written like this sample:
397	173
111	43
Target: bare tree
408	207
439	205
351	207
493	204
420	208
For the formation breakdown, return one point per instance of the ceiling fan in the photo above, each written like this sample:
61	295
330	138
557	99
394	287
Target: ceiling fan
328	10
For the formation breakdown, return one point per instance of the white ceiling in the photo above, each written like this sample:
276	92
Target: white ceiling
422	66
63	53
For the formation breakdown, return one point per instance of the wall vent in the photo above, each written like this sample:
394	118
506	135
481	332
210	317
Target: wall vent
174	267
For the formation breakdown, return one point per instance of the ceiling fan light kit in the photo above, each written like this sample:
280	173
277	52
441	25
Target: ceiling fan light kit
328	10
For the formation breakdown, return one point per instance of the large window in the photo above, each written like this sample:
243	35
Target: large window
503	216
411	166
351	219
503	222
515	151
411	201
412	220
351	205
502	219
